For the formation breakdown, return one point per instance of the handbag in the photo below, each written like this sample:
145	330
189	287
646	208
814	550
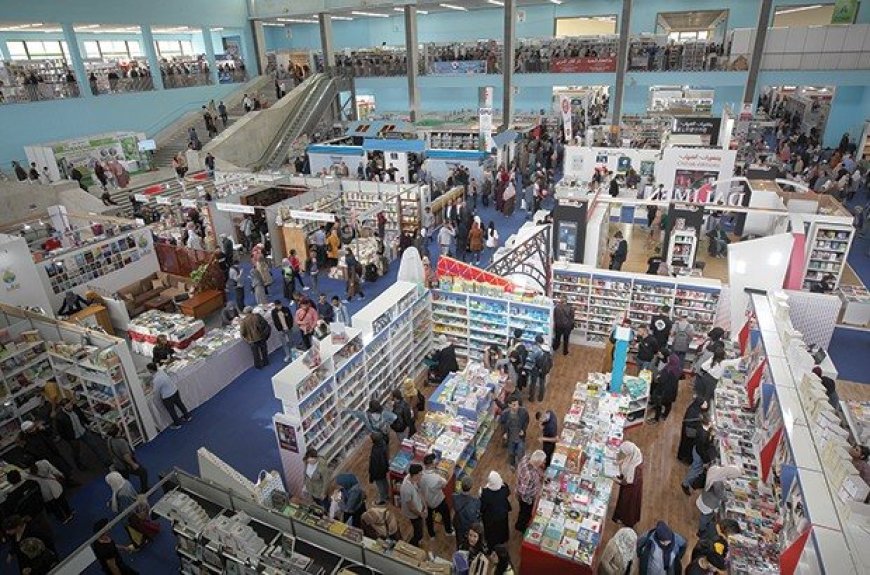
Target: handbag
267	483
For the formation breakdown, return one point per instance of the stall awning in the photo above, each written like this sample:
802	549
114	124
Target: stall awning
455	154
505	137
336	150
371	144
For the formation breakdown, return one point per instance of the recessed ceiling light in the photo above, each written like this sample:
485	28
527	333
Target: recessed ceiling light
495	2
297	20
454	7
398	9
556	1
343	18
370	14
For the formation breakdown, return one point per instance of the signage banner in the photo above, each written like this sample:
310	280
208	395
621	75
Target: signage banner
311	216
565	109
458	67
484	116
235	208
163	200
844	12
698	126
574	65
188	203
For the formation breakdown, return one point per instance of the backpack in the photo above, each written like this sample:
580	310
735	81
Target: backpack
544	362
264	327
681	340
402	416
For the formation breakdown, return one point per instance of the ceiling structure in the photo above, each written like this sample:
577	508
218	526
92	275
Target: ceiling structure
698	20
54	28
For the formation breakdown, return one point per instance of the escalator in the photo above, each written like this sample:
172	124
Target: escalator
317	99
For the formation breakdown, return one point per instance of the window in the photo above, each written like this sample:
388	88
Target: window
688	36
134	48
174	48
16	50
186	47
92	49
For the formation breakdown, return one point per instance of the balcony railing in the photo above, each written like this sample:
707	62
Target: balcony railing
37	92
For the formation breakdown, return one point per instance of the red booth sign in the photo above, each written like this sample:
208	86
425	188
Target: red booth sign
574	65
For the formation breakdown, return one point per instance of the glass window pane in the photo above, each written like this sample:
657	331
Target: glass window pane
134	49
35	48
92	49
186	47
16	50
702	35
674	36
65	50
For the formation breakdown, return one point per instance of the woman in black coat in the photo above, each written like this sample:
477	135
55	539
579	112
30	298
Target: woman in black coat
690	428
665	388
495	507
379	465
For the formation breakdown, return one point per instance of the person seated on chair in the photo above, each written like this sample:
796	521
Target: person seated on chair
443	360
163	352
72	304
718	241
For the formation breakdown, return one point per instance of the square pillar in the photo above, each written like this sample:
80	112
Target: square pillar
621	62
209	55
78	65
412	60
757	51
326	43
151	55
510	30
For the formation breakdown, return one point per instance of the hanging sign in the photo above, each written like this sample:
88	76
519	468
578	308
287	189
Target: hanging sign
565	109
235	208
188	203
311	216
163	200
699	126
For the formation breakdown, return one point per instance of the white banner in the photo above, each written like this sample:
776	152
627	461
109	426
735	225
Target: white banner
235	208
312	216
188	203
485	120
163	200
565	108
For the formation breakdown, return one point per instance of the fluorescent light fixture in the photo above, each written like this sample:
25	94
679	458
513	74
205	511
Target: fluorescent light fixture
370	14
297	20
217	29
556	1
495	2
343	18
273	24
454	7
398	9
798	9
88	27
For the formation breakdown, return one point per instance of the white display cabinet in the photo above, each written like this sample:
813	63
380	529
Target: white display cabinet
682	250
827	246
386	344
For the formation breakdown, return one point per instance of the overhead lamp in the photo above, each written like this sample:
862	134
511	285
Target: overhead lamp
370	14
454	7
398	9
556	1
273	24
798	9
342	18
217	29
495	2
297	20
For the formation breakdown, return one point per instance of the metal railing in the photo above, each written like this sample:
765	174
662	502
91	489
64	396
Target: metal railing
42	91
176	80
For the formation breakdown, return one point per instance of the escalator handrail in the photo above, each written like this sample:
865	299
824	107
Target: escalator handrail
312	108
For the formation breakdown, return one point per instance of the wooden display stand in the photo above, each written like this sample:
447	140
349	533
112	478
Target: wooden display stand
202	304
92	316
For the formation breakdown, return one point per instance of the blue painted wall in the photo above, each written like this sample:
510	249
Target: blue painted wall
149	112
161	12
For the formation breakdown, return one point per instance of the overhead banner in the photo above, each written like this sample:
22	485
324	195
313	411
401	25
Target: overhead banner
312	216
575	65
458	67
235	208
707	128
565	109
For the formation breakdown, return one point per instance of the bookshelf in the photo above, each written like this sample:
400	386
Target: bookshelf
601	298
682	249
828	243
386	344
474	321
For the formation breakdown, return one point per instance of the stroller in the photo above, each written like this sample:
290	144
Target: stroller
371	273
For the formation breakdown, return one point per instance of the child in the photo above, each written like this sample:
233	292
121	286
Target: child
312	269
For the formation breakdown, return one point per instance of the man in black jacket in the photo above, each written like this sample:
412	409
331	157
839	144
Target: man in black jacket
38	444
72	426
282	318
620	252
647	347
563	323
703	454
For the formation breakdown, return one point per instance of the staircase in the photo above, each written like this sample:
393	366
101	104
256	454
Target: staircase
317	102
174	138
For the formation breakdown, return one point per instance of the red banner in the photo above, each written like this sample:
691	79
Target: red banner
574	65
449	267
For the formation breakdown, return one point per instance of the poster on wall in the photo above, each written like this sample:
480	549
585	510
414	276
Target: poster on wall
119	152
706	128
565	109
647	168
287	437
844	12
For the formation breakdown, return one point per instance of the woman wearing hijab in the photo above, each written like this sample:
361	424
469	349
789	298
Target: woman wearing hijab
123	494
714	492
619	553
660	551
665	388
353	499
630	479
495	507
690	428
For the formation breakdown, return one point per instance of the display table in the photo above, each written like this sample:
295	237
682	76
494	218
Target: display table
207	367
459	425
179	329
857	415
856	305
202	304
570	513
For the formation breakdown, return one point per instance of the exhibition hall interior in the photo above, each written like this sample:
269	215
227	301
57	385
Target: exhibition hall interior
410	287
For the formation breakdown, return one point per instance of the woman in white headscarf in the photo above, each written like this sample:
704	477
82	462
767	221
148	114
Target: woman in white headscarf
714	492
123	494
619	556
495	508
630	479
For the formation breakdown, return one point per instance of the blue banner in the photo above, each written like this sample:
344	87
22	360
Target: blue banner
458	67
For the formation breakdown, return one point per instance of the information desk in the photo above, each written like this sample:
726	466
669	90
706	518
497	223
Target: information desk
179	329
571	511
208	366
459	424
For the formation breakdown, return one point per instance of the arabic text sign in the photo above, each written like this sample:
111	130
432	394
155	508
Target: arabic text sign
312	216
574	65
235	208
697	127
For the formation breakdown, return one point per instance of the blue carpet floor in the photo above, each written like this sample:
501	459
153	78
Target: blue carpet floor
235	425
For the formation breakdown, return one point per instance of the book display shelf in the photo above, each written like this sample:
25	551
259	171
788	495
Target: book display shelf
402	204
474	316
682	249
601	298
43	360
828	244
387	343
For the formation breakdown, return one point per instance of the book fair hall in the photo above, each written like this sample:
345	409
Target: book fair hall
478	287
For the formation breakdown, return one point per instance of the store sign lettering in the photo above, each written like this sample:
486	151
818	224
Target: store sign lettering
692	196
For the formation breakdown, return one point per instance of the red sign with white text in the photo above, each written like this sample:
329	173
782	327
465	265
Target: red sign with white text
574	65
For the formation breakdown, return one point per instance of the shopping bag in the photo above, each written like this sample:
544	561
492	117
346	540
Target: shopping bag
267	482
